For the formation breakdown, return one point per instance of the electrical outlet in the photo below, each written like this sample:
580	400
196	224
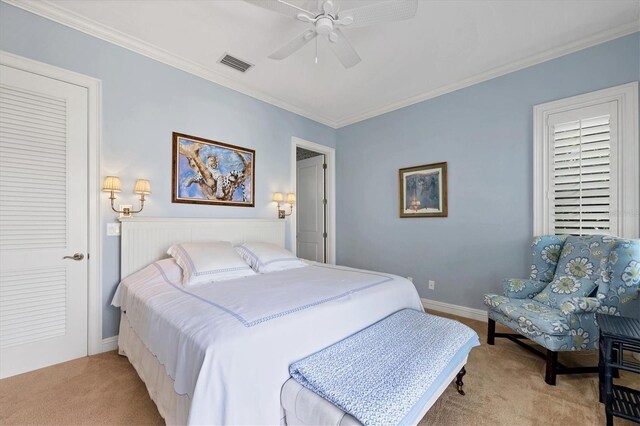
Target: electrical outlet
432	285
410	279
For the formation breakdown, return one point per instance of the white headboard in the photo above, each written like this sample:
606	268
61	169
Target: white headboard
145	240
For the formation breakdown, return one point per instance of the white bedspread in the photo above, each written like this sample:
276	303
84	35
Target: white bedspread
229	345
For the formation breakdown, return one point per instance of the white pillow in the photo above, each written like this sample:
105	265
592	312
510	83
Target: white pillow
266	257
208	262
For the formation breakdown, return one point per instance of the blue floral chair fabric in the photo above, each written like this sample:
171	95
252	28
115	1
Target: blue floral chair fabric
572	278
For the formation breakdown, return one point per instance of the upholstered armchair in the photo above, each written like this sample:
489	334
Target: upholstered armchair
571	279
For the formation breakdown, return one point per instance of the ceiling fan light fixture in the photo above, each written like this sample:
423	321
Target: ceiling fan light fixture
328	7
327	20
345	20
306	18
324	25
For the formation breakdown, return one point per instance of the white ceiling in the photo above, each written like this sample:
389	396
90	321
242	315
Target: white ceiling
448	45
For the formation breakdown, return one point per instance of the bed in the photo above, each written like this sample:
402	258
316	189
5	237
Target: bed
219	354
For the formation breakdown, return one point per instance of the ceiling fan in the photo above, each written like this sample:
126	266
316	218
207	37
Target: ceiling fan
327	20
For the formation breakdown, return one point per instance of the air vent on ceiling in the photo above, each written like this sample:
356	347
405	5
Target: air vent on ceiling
235	63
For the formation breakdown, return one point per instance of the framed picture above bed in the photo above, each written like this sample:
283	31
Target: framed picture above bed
210	172
423	191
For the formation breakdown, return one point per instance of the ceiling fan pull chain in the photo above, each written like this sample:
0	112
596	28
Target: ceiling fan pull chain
316	50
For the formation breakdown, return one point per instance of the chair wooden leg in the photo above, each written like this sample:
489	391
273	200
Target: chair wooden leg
491	332
551	365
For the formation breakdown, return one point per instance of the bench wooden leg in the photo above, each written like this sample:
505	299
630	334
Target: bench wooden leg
551	366
459	383
491	332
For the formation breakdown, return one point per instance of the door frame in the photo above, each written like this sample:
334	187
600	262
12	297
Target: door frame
94	243
330	185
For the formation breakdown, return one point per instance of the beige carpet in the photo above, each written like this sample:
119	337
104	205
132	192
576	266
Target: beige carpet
504	386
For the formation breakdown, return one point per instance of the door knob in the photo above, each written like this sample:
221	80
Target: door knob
76	256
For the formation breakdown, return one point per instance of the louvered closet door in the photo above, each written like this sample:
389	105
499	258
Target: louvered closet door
43	217
583	186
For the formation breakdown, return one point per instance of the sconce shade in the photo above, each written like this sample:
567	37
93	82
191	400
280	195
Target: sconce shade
277	197
111	184
143	186
291	198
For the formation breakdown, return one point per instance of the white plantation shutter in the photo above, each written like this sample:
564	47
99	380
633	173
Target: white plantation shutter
585	164
582	187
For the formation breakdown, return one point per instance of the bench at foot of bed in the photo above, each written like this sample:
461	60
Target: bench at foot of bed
389	373
304	408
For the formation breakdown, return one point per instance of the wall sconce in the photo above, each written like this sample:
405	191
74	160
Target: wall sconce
279	198
112	185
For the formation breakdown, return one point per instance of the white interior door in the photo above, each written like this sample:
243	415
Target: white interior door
310	217
43	218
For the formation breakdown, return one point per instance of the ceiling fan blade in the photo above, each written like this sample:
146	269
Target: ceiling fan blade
283	7
294	45
386	11
343	50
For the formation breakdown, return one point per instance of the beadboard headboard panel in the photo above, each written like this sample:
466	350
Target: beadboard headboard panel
145	240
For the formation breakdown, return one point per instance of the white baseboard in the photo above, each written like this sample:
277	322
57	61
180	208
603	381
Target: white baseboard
110	344
461	311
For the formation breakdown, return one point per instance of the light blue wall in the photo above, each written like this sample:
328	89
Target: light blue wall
484	132
143	102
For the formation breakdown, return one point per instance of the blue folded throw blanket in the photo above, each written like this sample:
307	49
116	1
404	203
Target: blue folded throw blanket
379	374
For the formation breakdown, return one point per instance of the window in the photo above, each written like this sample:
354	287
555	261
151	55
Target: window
586	164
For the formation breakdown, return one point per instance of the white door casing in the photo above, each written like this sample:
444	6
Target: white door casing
330	193
43	218
310	196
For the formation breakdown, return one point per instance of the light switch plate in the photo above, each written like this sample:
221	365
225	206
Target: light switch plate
113	229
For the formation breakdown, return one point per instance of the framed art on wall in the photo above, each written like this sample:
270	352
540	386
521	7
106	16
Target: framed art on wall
210	172
423	191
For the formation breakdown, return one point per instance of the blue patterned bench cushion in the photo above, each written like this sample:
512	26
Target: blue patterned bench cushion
379	374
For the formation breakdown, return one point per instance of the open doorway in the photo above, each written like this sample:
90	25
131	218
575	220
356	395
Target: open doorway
311	226
313	171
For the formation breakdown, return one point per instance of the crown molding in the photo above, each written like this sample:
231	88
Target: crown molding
545	56
56	13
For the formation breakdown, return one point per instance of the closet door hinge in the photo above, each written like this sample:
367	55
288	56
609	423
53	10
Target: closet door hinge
324	166
324	235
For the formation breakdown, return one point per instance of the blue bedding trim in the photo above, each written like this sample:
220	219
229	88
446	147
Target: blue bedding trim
181	289
279	314
196	273
254	259
382	374
259	262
